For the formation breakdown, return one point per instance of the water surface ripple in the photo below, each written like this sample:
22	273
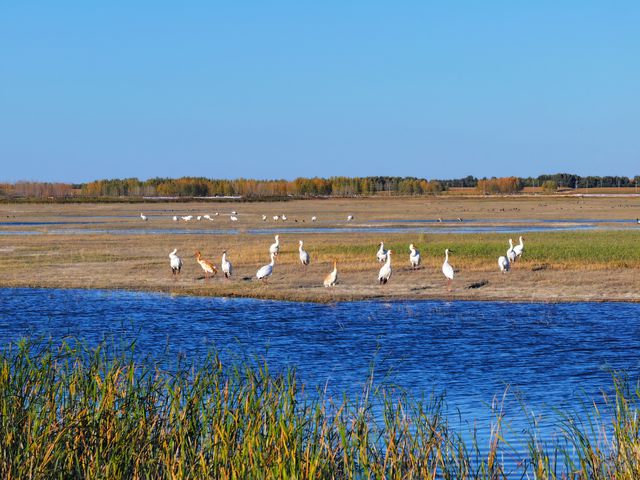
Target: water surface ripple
550	355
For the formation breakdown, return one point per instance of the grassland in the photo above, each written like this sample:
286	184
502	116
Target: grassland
116	249
74	413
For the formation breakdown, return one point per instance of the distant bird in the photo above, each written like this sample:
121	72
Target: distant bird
267	270
207	216
276	218
331	279
304	256
503	263
519	249
439	219
313	219
175	262
385	271
216	214
143	217
349	218
638	220
234	213
233	218
414	256
227	268
283	217
511	253
187	218
206	265
199	217
264	218
459	219
175	218
274	249
447	269
381	255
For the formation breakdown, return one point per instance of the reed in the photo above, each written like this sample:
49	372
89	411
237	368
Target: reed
74	412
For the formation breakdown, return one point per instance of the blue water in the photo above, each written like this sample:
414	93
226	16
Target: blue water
291	230
548	356
472	350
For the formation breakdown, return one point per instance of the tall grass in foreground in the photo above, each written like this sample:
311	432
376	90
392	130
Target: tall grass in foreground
67	412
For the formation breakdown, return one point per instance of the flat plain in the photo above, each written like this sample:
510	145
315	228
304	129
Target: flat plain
576	248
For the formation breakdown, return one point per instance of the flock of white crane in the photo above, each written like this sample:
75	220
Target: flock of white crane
382	255
233	217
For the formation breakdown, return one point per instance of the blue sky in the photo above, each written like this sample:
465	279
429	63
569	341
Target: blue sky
287	89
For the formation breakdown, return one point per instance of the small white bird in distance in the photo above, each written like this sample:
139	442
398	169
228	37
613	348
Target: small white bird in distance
349	218
143	217
414	256
385	272
503	263
233	218
381	255
447	269
511	253
519	249
175	262
274	248
314	218
227	268
267	270
304	256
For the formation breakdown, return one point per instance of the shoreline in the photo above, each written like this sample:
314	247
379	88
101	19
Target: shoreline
327	300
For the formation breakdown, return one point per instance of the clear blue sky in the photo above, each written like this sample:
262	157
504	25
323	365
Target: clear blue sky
286	89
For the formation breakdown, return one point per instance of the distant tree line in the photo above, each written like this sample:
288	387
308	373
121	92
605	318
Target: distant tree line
188	187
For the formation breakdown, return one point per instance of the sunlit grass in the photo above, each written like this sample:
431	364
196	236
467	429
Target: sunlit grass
70	412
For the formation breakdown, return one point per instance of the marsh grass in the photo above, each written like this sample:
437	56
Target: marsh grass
73	412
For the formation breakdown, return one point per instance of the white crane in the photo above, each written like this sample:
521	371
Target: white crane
143	217
331	279
276	218
385	271
447	269
349	218
314	219
264	218
283	217
187	218
381	255
414	256
206	265
234	212
199	217
267	270
504	264
304	256
207	216
227	268
233	218
511	253
175	218
519	249
274	248
175	262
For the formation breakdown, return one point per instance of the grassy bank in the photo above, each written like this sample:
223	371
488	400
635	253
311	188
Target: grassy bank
73	413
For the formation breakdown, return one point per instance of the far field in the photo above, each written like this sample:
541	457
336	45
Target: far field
110	246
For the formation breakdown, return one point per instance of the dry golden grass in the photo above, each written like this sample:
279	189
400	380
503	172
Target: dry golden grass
562	266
